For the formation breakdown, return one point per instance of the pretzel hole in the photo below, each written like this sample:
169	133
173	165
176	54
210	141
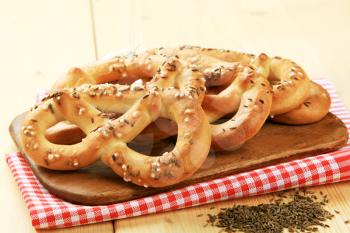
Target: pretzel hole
273	78
131	81
156	138
223	119
214	90
67	133
64	133
154	148
275	82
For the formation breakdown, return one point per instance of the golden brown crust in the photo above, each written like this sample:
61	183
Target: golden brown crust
290	85
313	109
64	133
253	110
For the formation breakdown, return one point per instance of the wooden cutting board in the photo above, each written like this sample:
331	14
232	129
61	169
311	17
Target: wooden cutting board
275	143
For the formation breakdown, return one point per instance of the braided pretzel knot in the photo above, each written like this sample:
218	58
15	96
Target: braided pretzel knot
247	92
108	138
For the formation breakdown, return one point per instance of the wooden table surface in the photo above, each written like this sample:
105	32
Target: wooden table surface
41	39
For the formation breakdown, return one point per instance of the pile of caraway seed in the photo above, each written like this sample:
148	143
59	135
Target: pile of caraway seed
297	211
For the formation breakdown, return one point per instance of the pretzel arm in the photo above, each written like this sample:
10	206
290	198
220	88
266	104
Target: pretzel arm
253	110
226	101
54	156
313	109
291	88
120	69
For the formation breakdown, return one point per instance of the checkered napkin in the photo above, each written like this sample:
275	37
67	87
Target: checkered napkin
48	211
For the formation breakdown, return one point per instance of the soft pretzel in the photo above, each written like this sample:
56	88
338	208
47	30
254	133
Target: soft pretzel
293	92
109	137
248	93
313	109
69	104
252	99
290	84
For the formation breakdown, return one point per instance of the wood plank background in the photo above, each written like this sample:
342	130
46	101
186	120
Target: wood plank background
41	39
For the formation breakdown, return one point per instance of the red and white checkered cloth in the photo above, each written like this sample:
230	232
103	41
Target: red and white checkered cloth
48	211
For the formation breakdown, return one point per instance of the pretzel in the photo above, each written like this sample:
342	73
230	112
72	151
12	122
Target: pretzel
68	104
314	108
290	84
296	99
108	138
252	100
